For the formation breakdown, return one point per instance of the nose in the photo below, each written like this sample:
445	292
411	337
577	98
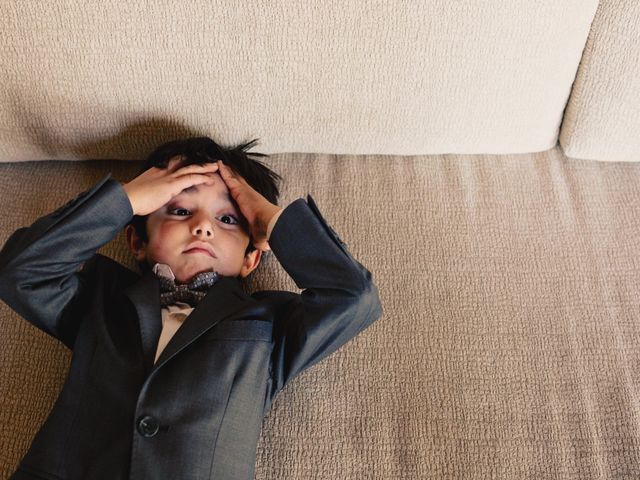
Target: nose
202	226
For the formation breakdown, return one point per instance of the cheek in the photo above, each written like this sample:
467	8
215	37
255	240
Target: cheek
163	241
238	239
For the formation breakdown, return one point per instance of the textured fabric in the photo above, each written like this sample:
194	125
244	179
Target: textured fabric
602	119
114	79
191	292
510	341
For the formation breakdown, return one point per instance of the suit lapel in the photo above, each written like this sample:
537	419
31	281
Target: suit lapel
145	296
223	299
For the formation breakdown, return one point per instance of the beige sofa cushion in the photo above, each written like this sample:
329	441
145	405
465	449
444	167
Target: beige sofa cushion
602	121
509	346
104	80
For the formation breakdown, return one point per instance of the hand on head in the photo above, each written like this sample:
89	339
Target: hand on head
155	187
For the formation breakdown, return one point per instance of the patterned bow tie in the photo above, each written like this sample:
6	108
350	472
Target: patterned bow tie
190	293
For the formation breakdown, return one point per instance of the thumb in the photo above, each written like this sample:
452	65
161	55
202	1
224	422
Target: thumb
263	246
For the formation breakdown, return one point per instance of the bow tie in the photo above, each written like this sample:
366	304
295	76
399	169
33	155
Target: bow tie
190	293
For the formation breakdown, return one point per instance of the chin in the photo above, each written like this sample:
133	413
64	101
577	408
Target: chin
192	272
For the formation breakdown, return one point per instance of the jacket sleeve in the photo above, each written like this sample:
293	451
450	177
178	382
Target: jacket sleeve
339	299
40	276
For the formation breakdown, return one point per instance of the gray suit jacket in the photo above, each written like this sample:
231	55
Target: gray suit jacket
197	412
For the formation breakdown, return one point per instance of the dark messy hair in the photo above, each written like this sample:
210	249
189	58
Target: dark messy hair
200	150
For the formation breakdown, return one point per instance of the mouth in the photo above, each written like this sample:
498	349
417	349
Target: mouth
205	250
199	250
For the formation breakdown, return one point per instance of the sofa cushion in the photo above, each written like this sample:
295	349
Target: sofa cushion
509	343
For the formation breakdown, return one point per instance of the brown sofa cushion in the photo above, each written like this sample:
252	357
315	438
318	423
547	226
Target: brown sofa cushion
509	343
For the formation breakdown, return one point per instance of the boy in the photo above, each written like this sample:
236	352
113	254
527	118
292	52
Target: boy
173	370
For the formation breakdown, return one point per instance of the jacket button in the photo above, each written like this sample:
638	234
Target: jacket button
148	426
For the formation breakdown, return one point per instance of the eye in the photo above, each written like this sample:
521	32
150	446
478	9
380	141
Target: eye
178	209
231	216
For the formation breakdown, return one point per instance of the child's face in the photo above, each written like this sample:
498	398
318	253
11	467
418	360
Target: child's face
203	215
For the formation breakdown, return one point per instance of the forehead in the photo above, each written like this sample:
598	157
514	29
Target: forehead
217	191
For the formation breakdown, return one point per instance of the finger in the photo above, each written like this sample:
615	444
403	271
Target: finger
202	166
207	167
228	174
262	246
172	164
189	180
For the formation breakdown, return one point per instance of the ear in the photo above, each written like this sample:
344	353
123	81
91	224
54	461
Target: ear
251	261
135	244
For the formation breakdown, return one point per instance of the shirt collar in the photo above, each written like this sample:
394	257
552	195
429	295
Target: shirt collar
163	270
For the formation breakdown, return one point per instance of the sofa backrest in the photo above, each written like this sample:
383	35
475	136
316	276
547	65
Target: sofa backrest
602	119
404	78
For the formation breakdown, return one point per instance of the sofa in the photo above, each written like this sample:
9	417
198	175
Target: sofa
481	159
